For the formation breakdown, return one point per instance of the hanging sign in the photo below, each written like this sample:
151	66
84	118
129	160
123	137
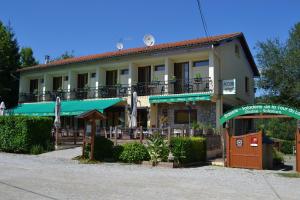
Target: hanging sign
229	86
253	142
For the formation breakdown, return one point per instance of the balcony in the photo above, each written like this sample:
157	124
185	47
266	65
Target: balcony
142	89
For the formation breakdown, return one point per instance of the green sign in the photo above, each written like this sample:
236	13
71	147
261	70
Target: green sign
261	108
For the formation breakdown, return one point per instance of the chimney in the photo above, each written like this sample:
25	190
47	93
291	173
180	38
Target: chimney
47	59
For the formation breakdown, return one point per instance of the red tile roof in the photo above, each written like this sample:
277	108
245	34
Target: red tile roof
142	50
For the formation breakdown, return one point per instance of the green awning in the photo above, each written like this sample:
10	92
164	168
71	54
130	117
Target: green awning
72	107
179	98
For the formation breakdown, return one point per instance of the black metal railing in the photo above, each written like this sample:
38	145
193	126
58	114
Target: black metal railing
123	90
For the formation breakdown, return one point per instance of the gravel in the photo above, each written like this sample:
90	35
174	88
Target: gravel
56	176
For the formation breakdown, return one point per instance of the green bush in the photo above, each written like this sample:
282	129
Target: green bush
134	152
117	151
188	150
277	157
103	148
287	146
157	149
20	133
36	149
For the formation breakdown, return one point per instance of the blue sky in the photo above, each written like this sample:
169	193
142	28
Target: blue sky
90	26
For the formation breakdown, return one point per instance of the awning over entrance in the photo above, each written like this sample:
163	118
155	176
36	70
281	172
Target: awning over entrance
179	98
74	107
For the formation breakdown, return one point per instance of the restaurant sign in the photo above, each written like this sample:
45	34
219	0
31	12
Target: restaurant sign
261	108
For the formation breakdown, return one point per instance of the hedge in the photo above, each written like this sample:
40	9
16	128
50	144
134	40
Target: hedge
188	150
134	152
103	149
19	134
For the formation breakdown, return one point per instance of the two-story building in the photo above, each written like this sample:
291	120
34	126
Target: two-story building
177	83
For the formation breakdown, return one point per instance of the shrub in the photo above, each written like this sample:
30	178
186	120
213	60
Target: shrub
102	149
277	157
287	146
134	152
20	133
36	149
117	151
188	150
157	149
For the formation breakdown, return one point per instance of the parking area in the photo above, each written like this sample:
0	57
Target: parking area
52	176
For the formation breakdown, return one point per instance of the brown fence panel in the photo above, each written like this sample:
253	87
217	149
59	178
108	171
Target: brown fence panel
245	151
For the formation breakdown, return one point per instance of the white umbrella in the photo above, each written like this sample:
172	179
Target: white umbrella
2	108
134	111
57	113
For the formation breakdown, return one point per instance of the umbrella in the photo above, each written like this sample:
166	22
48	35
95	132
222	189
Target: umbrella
134	111
57	113
2	108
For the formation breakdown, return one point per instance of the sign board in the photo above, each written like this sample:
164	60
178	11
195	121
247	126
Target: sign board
261	108
229	86
253	142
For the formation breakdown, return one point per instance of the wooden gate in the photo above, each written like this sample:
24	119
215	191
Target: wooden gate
244	151
298	150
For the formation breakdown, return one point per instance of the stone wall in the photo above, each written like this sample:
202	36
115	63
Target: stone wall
206	113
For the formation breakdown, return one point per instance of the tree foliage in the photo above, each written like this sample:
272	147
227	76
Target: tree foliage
280	69
65	55
9	63
26	57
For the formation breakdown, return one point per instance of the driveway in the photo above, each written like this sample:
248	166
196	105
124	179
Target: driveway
57	177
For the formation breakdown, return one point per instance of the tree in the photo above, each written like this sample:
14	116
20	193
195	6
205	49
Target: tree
280	69
26	57
9	63
65	55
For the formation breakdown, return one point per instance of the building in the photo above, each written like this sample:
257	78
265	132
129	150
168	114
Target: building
177	83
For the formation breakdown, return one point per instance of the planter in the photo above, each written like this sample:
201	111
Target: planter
160	164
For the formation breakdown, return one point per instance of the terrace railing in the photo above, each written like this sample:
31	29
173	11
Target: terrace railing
123	90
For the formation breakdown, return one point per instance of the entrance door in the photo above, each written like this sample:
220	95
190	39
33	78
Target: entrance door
34	85
111	81
82	83
181	72
144	79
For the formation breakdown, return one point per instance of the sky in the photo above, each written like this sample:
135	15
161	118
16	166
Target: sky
91	27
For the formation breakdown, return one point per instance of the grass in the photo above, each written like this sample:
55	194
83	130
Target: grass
290	175
85	160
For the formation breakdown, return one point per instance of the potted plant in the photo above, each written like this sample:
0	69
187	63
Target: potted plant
172	79
198	78
155	81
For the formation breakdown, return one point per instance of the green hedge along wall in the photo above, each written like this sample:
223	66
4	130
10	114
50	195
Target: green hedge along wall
19	134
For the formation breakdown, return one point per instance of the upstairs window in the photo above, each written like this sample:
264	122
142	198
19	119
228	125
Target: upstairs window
201	63
57	83
93	75
159	68
246	84
124	72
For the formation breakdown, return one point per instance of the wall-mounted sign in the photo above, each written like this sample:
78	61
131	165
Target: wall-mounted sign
239	142
253	142
229	86
261	108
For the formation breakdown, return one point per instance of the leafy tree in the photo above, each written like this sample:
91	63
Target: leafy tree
280	69
9	62
65	55
26	57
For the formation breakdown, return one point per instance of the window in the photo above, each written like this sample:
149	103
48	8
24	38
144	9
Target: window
182	116
57	83
201	63
237	50
124	72
159	68
34	85
93	75
246	84
66	78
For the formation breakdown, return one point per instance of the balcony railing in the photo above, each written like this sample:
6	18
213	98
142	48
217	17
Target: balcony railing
111	91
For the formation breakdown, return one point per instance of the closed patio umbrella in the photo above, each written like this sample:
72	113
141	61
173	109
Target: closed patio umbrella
57	119
134	111
2	108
